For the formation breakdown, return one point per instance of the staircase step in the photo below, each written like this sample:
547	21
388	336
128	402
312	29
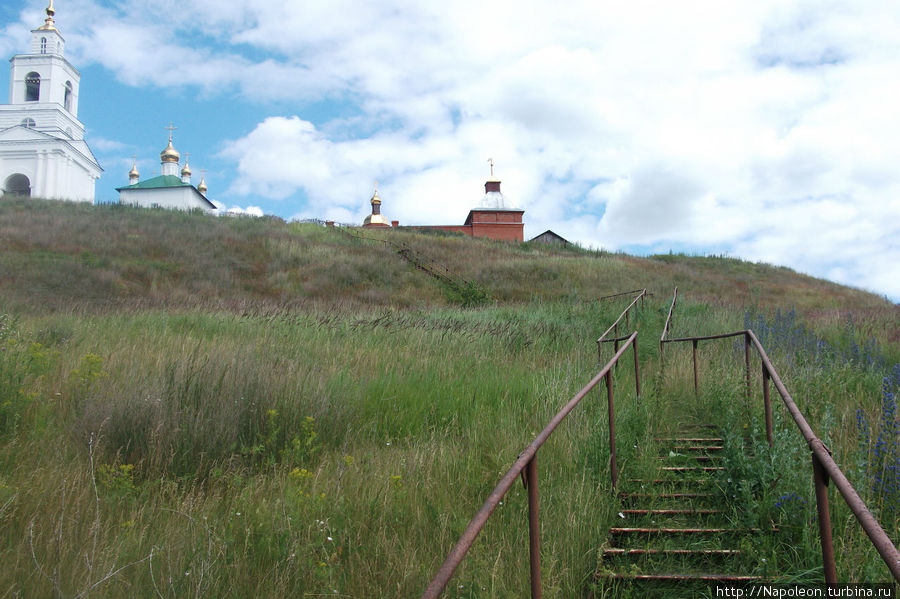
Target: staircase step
681	577
677	481
698	447
690	440
692	468
670	512
621	552
681	531
667	495
692	458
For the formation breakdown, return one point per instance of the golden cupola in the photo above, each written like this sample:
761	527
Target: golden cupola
170	154
376	219
133	175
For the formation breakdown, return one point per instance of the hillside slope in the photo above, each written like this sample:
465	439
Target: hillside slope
59	255
201	406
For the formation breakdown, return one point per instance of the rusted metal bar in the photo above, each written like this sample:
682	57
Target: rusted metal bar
870	525
637	368
610	404
823	460
534	528
669	317
615	325
747	364
616	342
606	297
456	555
696	375
767	404
706	337
824	516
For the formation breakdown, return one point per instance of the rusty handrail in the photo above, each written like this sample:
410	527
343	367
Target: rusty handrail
669	317
526	466
641	294
606	297
824	466
668	323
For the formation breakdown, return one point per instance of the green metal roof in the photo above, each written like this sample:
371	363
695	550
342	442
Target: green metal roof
157	183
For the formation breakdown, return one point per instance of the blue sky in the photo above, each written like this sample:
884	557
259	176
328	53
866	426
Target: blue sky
766	130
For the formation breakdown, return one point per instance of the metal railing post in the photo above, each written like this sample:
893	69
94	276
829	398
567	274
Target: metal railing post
637	369
747	361
534	527
616	343
696	374
610	402
768	406
821	481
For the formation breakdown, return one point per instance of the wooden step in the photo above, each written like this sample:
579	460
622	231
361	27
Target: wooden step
692	468
619	552
681	577
694	458
677	481
681	531
670	512
698	448
690	440
667	495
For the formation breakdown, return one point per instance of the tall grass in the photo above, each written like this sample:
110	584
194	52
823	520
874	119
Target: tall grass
193	406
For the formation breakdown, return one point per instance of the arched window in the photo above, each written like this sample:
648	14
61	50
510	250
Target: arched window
32	87
68	100
29	123
43	45
17	185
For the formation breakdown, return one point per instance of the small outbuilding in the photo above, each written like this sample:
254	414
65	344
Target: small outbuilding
548	237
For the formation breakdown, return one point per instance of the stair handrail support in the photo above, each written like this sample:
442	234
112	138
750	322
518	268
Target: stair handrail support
525	466
825	469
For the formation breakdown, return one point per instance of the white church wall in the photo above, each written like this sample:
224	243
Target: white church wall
173	198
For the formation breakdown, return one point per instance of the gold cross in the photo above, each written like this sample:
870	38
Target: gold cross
491	160
171	128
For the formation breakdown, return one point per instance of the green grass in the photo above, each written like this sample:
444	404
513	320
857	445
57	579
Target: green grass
194	406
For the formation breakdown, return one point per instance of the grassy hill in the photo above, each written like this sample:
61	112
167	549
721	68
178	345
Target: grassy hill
204	406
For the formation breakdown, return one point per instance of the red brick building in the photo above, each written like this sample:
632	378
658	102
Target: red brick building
493	218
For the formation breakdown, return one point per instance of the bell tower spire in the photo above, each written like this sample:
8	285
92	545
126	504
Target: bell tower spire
49	25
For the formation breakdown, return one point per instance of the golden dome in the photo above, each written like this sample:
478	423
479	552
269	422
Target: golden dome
201	187
170	154
186	171
376	220
133	172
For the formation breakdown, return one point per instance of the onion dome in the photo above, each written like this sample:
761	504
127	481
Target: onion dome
376	218
186	171
133	173
201	187
170	154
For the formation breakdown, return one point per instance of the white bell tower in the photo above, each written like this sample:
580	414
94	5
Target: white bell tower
44	153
